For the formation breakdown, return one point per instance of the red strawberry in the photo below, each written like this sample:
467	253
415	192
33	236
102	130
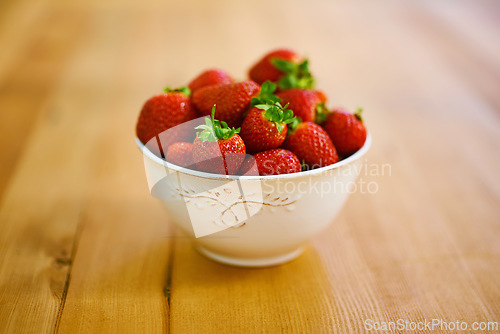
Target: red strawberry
265	125
284	67
312	145
162	112
218	149
180	154
210	77
346	130
272	162
232	100
306	104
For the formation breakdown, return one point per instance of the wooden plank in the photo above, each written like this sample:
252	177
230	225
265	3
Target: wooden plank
212	298
28	79
40	209
470	29
18	21
39	214
121	267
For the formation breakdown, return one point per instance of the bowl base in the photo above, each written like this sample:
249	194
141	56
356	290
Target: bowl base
245	262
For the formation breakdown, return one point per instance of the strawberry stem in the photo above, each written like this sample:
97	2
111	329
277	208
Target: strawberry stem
213	129
304	166
357	114
266	95
182	89
321	113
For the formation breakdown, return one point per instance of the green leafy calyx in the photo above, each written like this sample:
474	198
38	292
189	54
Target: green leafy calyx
182	89
213	129
304	166
321	113
266	95
293	125
295	75
275	113
357	114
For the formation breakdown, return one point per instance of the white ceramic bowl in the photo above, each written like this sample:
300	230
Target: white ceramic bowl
252	221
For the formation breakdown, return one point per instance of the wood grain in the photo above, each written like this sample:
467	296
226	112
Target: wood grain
85	248
29	75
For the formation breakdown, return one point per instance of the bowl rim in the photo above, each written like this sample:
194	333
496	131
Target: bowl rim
358	154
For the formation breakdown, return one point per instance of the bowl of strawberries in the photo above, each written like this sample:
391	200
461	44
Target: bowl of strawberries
252	169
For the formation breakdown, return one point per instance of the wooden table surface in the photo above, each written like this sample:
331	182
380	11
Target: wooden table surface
85	248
